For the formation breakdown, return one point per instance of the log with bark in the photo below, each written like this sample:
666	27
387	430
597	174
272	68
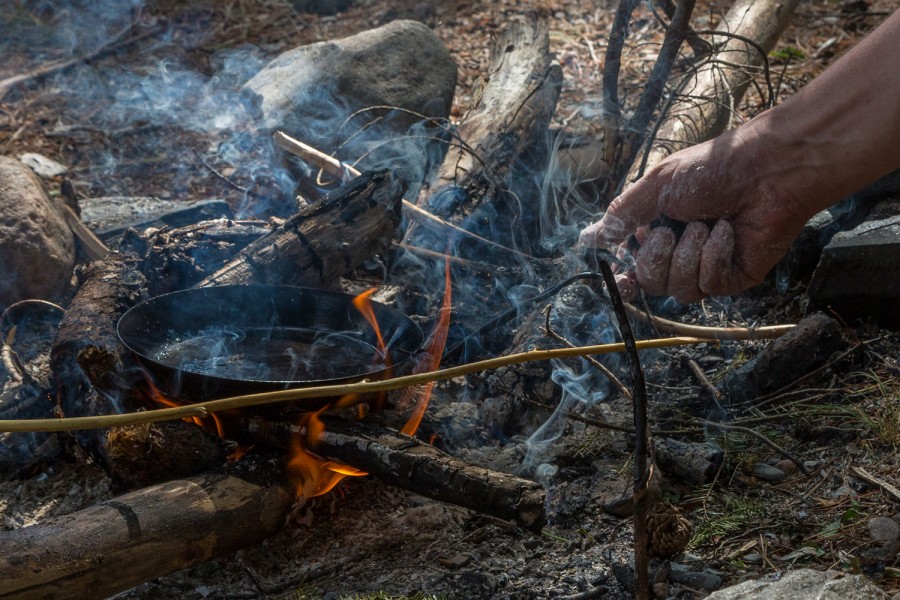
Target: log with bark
120	543
323	241
412	465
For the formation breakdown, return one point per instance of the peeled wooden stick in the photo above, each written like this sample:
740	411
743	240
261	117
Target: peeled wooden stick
337	168
769	332
202	409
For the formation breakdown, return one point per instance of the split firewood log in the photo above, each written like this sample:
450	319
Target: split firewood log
323	241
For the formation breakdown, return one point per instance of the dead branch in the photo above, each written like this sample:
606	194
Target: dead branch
869	478
718	333
716	88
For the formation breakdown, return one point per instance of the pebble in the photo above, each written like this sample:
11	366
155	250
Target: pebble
884	530
768	472
695	579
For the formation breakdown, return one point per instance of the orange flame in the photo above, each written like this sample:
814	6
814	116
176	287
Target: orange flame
160	399
312	475
363	304
433	360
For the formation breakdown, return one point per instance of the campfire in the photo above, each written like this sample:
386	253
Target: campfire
383	292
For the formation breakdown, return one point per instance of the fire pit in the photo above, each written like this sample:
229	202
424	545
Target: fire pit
212	342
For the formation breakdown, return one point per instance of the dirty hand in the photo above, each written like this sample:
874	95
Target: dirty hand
738	224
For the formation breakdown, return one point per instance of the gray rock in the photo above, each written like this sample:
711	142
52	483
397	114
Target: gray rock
803	584
859	273
884	529
768	472
37	248
402	64
704	580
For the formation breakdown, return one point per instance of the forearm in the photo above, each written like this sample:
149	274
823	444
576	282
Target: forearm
840	132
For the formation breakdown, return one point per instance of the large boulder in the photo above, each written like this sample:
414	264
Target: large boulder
37	248
310	90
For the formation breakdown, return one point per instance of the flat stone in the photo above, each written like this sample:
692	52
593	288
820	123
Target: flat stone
311	90
37	248
803	584
859	273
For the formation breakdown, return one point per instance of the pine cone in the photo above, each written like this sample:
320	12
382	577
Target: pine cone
669	531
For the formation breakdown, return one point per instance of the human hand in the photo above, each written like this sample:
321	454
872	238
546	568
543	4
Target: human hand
738	221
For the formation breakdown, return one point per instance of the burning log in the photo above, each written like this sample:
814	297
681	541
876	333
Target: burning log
143	535
91	377
322	241
412	465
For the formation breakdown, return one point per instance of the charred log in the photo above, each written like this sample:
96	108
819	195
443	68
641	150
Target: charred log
407	463
91	375
143	535
323	241
179	258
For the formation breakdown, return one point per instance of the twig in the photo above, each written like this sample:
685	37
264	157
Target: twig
636	130
719	333
752	432
596	363
641	434
202	409
706	384
611	106
116	42
341	169
869	478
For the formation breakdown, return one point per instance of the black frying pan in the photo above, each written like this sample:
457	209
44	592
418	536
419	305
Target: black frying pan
221	341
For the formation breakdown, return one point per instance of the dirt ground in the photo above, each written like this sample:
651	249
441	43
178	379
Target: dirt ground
366	537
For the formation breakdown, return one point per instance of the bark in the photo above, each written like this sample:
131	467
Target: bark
146	534
91	375
412	465
505	136
711	94
323	241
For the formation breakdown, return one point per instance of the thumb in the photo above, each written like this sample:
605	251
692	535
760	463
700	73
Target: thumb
635	207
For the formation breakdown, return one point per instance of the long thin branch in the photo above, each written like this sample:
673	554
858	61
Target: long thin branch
642	437
203	409
611	106
636	131
768	332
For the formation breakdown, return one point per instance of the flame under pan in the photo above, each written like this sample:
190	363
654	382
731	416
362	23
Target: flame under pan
214	342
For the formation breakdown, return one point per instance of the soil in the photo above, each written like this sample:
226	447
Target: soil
366	537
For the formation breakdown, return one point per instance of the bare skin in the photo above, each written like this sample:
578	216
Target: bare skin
746	194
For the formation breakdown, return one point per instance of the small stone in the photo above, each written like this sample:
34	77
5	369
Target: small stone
43	166
704	580
884	530
768	472
456	562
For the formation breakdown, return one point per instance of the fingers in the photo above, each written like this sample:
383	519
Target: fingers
698	264
653	260
718	275
684	270
635	207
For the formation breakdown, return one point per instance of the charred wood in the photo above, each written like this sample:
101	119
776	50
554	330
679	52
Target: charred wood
407	463
180	258
146	534
323	241
91	375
